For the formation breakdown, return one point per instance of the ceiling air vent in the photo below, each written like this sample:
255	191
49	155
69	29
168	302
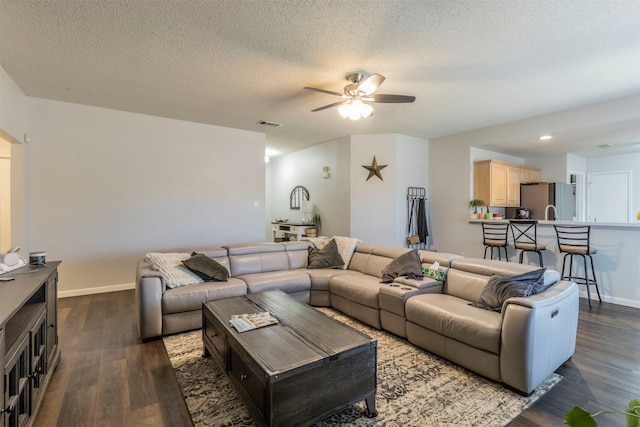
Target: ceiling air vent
269	124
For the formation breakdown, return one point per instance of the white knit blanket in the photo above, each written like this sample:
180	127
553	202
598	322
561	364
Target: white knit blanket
170	266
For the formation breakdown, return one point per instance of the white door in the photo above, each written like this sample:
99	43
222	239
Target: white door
609	197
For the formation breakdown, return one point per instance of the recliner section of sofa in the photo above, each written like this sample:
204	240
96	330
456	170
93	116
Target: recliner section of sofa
519	347
164	311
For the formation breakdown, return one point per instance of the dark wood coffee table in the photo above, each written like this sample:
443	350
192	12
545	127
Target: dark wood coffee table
297	372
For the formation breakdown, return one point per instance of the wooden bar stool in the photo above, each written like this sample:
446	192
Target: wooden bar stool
494	236
573	240
525	238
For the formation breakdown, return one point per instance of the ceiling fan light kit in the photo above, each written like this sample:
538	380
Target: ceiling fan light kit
358	94
355	110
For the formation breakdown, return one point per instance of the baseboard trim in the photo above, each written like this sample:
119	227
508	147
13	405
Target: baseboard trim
97	290
128	286
613	300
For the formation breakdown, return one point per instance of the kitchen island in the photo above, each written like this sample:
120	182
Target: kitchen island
617	262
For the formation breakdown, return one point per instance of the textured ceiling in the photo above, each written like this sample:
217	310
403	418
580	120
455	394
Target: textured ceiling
470	63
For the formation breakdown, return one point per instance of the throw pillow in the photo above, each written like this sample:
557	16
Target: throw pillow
327	257
319	242
500	288
346	247
206	268
407	264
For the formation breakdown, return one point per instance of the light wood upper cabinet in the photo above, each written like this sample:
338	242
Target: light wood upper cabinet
513	186
529	174
498	183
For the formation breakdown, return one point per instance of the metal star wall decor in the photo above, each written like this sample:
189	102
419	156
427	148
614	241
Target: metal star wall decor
374	169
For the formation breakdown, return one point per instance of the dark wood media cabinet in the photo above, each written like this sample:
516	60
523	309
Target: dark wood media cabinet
29	350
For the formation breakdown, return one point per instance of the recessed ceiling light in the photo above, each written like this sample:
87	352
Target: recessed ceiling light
545	137
604	146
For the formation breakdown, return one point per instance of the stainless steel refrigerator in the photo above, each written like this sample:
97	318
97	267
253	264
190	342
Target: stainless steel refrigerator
536	197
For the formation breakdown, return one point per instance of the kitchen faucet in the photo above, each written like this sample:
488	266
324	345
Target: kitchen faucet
546	212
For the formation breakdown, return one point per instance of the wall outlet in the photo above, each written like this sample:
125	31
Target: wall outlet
256	203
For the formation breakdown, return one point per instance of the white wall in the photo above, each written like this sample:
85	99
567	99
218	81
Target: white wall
553	168
379	207
13	107
13	119
330	196
413	171
105	187
373	202
450	175
576	164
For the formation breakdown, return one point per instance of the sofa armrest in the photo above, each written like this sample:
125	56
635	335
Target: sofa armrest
150	286
538	335
427	284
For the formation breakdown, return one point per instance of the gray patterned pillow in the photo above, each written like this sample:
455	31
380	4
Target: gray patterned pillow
206	268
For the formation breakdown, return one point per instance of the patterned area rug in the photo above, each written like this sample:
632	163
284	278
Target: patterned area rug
415	388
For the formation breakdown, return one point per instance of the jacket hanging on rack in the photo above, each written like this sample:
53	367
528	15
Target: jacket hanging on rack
417	224
423	228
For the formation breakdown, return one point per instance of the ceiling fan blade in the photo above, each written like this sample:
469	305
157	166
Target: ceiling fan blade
335	104
370	84
393	98
315	89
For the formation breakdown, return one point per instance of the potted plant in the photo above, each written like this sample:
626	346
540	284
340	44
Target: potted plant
474	204
315	222
578	417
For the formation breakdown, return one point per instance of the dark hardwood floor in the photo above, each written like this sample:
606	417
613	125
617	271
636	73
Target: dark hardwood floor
108	377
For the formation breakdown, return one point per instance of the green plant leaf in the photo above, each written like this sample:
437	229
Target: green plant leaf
632	415
578	417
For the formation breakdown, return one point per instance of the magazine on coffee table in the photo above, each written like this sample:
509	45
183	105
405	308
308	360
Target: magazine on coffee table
247	322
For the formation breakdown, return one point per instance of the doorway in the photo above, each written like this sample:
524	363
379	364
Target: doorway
577	180
5	204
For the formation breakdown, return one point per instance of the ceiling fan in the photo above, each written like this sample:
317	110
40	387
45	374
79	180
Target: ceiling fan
358	94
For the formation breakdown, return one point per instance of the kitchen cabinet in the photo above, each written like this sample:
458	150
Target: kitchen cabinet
529	175
497	183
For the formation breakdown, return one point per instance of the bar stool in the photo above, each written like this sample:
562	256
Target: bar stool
573	240
494	236
525	238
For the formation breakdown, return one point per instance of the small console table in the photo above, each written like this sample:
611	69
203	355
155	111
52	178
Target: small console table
29	349
289	229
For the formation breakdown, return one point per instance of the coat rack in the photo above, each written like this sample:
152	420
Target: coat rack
417	218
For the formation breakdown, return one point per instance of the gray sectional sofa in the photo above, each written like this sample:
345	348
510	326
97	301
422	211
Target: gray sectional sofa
519	346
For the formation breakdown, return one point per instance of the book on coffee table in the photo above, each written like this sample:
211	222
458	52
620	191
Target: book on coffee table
247	322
